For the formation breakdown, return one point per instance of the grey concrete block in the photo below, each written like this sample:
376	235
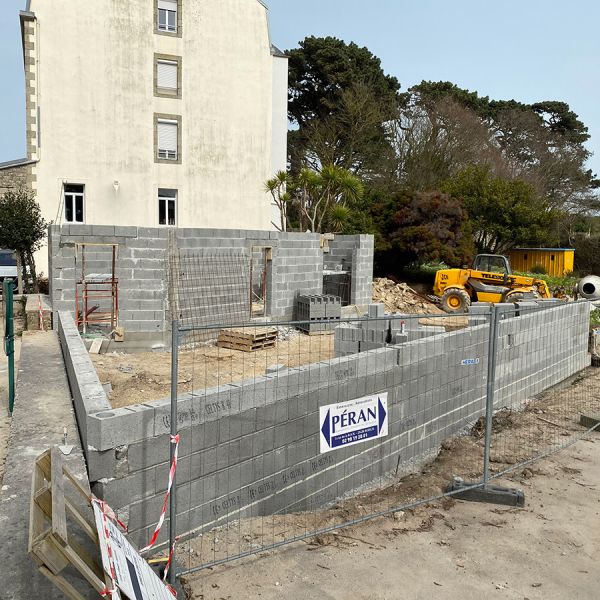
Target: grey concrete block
120	426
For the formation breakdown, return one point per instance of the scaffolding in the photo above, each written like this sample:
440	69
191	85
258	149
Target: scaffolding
96	294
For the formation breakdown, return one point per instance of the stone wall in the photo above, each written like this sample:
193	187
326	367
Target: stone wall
252	448
14	177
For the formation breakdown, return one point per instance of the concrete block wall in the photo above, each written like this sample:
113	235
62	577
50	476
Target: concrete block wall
142	269
297	268
354	253
86	390
540	348
252	448
362	271
380	331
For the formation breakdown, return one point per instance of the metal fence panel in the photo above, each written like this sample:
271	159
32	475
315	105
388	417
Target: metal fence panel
298	435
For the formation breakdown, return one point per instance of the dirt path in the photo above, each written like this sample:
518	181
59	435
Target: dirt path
549	550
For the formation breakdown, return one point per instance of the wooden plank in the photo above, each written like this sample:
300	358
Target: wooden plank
59	512
249	341
244	347
43	462
254	345
245	331
36	518
76	484
83	568
82	520
43	499
93	564
62	584
48	552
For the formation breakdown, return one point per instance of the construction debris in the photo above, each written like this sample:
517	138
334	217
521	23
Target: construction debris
401	298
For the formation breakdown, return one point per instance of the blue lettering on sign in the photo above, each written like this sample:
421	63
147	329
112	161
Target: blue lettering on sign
353	422
470	361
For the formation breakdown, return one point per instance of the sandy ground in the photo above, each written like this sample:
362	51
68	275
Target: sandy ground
383	549
452	550
137	378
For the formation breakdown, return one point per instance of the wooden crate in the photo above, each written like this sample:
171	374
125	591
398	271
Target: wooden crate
50	544
247	340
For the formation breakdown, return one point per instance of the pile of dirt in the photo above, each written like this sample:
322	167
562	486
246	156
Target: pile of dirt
401	298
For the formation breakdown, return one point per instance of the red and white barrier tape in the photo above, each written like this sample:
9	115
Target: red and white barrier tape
107	513
168	566
174	440
41	312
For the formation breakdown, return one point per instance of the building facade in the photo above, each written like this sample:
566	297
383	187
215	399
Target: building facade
154	112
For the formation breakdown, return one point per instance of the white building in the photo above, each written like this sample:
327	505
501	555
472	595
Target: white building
154	112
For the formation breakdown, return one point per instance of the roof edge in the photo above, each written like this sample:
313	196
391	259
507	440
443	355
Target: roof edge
275	51
19	162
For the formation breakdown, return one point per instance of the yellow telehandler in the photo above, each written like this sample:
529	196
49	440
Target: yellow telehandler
490	280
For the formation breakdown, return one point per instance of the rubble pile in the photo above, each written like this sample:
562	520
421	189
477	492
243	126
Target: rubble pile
401	298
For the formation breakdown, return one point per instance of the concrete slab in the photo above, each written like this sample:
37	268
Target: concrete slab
43	408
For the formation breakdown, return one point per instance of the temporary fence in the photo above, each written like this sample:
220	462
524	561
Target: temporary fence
294	436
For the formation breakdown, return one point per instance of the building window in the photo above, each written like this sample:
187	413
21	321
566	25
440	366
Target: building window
167	76
167	207
74	202
168	16
168	136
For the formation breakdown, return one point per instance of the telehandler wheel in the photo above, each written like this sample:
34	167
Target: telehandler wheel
456	300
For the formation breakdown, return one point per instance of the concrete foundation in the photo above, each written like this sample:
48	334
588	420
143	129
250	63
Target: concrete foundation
207	294
252	448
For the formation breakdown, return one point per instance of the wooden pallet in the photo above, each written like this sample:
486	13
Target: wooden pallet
247	340
50	544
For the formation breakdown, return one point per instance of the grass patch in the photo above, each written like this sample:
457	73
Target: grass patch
595	318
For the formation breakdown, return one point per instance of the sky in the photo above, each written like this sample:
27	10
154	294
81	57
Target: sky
527	50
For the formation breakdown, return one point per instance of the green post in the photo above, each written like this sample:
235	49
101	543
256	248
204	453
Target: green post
9	340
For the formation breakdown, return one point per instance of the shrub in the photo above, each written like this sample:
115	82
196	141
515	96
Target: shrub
539	270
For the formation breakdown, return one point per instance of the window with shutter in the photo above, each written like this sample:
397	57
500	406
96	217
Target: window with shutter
166	75
168	135
167	15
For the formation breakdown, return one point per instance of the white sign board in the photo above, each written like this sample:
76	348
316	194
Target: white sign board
353	422
468	362
134	576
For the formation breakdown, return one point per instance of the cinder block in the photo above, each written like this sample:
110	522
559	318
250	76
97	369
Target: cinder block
119	426
376	310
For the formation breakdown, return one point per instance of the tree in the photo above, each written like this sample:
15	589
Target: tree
340	100
319	201
504	213
435	139
277	187
22	229
419	227
541	143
